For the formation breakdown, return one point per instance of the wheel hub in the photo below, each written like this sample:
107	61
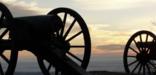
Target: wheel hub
65	45
143	57
61	44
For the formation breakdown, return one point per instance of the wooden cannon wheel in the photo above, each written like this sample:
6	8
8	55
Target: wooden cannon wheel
8	57
137	54
75	32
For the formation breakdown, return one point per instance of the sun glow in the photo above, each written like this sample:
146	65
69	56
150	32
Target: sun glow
111	23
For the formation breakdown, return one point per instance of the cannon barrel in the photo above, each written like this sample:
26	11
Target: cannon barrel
43	22
26	29
39	23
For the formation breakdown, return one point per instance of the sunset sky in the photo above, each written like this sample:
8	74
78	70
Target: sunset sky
110	22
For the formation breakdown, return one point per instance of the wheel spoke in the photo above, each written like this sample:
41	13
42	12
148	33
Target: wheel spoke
148	49
77	46
133	50
146	38
144	69
146	41
135	67
140	38
64	22
140	68
74	36
131	56
74	56
65	17
5	58
152	64
136	45
2	35
1	70
148	68
141	41
132	63
69	29
49	67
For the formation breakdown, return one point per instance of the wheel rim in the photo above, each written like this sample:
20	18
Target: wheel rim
8	58
136	57
74	29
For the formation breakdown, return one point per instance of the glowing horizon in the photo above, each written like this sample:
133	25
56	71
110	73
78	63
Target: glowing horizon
110	22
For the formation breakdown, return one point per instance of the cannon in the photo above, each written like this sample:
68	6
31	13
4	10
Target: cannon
60	41
140	54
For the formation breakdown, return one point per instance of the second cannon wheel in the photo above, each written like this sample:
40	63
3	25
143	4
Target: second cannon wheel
138	54
76	34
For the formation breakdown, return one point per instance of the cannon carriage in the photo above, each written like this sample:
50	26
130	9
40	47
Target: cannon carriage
55	39
140	54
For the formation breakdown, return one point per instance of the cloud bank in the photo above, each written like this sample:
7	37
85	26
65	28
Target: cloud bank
22	8
110	47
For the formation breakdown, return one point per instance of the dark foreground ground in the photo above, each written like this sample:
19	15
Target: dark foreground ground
91	72
106	73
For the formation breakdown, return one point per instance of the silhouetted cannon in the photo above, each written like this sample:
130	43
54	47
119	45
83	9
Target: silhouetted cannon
140	54
59	40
